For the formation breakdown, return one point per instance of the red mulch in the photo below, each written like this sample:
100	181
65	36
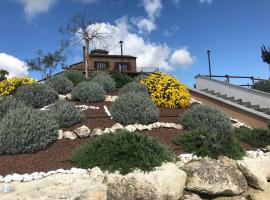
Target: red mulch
57	155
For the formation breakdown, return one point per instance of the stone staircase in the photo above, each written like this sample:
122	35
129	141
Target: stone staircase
238	101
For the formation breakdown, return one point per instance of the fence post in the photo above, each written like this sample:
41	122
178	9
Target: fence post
252	78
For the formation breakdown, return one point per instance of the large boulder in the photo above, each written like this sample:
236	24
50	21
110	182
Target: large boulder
212	177
58	186
256	170
165	182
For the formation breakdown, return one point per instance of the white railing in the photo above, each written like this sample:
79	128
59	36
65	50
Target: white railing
247	95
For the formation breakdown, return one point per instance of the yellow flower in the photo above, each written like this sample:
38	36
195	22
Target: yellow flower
167	91
10	85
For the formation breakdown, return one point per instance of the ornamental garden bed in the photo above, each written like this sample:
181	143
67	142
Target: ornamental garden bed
57	155
160	98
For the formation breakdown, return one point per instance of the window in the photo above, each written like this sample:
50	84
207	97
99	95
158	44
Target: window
99	65
122	66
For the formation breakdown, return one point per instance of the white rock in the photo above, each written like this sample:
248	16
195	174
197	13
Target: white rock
42	174
83	131
62	171
212	177
165	182
186	157
191	197
8	178
1	179
268	148
97	175
140	127
97	131
27	177
62	97
78	171
177	126
256	170
58	186
51	173
117	126
60	134
70	135
17	177
130	128
107	130
68	96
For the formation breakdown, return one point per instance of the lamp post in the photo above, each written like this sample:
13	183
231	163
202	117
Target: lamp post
209	63
121	64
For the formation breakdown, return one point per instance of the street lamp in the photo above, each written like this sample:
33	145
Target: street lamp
121	64
209	63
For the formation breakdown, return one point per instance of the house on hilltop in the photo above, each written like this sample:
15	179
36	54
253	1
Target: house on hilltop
101	60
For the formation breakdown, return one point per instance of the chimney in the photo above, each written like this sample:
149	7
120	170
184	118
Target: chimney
84	57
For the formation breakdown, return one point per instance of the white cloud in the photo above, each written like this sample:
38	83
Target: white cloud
206	1
152	7
13	65
147	24
35	7
86	1
148	54
144	24
182	58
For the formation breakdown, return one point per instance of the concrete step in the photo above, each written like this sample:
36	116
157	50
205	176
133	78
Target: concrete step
237	101
245	104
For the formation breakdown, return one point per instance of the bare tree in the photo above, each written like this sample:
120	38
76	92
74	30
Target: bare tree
46	63
86	31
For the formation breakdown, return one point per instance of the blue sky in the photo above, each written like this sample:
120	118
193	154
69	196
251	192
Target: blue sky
171	34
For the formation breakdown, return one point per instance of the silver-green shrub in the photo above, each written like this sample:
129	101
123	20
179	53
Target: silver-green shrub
132	108
37	95
88	92
60	84
66	114
133	87
207	118
8	102
27	130
104	80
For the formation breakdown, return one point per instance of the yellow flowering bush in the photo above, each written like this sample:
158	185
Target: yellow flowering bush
167	91
9	86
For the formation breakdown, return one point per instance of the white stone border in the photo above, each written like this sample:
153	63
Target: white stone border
86	107
110	98
38	175
107	111
72	135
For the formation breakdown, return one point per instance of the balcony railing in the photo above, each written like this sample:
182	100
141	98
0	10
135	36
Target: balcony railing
147	69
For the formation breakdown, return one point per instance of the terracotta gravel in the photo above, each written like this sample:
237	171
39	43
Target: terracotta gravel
57	155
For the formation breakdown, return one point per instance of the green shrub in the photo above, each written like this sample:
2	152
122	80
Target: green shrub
121	79
26	130
263	86
210	143
138	78
88	92
205	117
66	114
104	80
60	84
75	76
133	87
254	137
37	95
122	151
134	108
8	102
